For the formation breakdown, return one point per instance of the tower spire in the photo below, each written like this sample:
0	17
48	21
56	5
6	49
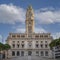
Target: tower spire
30	7
29	20
30	13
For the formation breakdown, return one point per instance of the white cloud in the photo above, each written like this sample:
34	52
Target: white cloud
47	16
0	38
56	35
37	30
40	30
20	30
11	14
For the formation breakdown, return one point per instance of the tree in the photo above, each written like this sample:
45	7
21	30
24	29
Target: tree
1	46
4	47
55	42
1	49
7	47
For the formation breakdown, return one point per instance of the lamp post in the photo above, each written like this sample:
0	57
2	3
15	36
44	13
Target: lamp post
2	51
54	53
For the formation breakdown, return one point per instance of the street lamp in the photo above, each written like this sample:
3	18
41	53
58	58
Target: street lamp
54	52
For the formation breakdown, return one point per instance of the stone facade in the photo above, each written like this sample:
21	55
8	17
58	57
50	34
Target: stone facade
29	43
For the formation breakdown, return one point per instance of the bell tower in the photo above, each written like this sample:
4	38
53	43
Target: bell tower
29	20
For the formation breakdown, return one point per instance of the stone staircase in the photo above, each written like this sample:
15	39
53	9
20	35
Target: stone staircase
30	58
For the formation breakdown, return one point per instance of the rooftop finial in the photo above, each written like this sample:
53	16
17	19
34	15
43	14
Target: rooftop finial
30	7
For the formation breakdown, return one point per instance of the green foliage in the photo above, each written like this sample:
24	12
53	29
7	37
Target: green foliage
1	46
4	46
7	46
55	42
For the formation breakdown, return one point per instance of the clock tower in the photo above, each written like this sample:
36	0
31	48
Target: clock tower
29	21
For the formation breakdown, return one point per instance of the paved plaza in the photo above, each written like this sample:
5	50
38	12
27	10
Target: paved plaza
30	58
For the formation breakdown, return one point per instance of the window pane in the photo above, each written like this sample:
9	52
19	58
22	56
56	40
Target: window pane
46	45
22	53
37	45
18	53
37	53
18	45
42	53
41	45
41	41
13	53
22	45
13	45
46	53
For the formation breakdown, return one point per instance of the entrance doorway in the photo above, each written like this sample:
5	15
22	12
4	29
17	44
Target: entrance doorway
29	53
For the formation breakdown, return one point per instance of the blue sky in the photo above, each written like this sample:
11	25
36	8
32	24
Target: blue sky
12	16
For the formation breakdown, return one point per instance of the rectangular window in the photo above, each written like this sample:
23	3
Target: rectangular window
17	41
46	46
13	53
22	36
42	53
13	36
45	41
22	41
29	45
41	41
37	53
22	45
13	41
41	36
18	53
36	41
46	53
41	45
46	36
18	45
18	36
37	36
37	45
22	53
13	45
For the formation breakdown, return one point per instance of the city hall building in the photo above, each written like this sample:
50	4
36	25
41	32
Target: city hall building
29	43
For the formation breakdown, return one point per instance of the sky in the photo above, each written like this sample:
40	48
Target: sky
12	17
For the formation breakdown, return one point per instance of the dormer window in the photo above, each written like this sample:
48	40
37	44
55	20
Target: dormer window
41	35
37	36
46	36
22	36
13	36
18	36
